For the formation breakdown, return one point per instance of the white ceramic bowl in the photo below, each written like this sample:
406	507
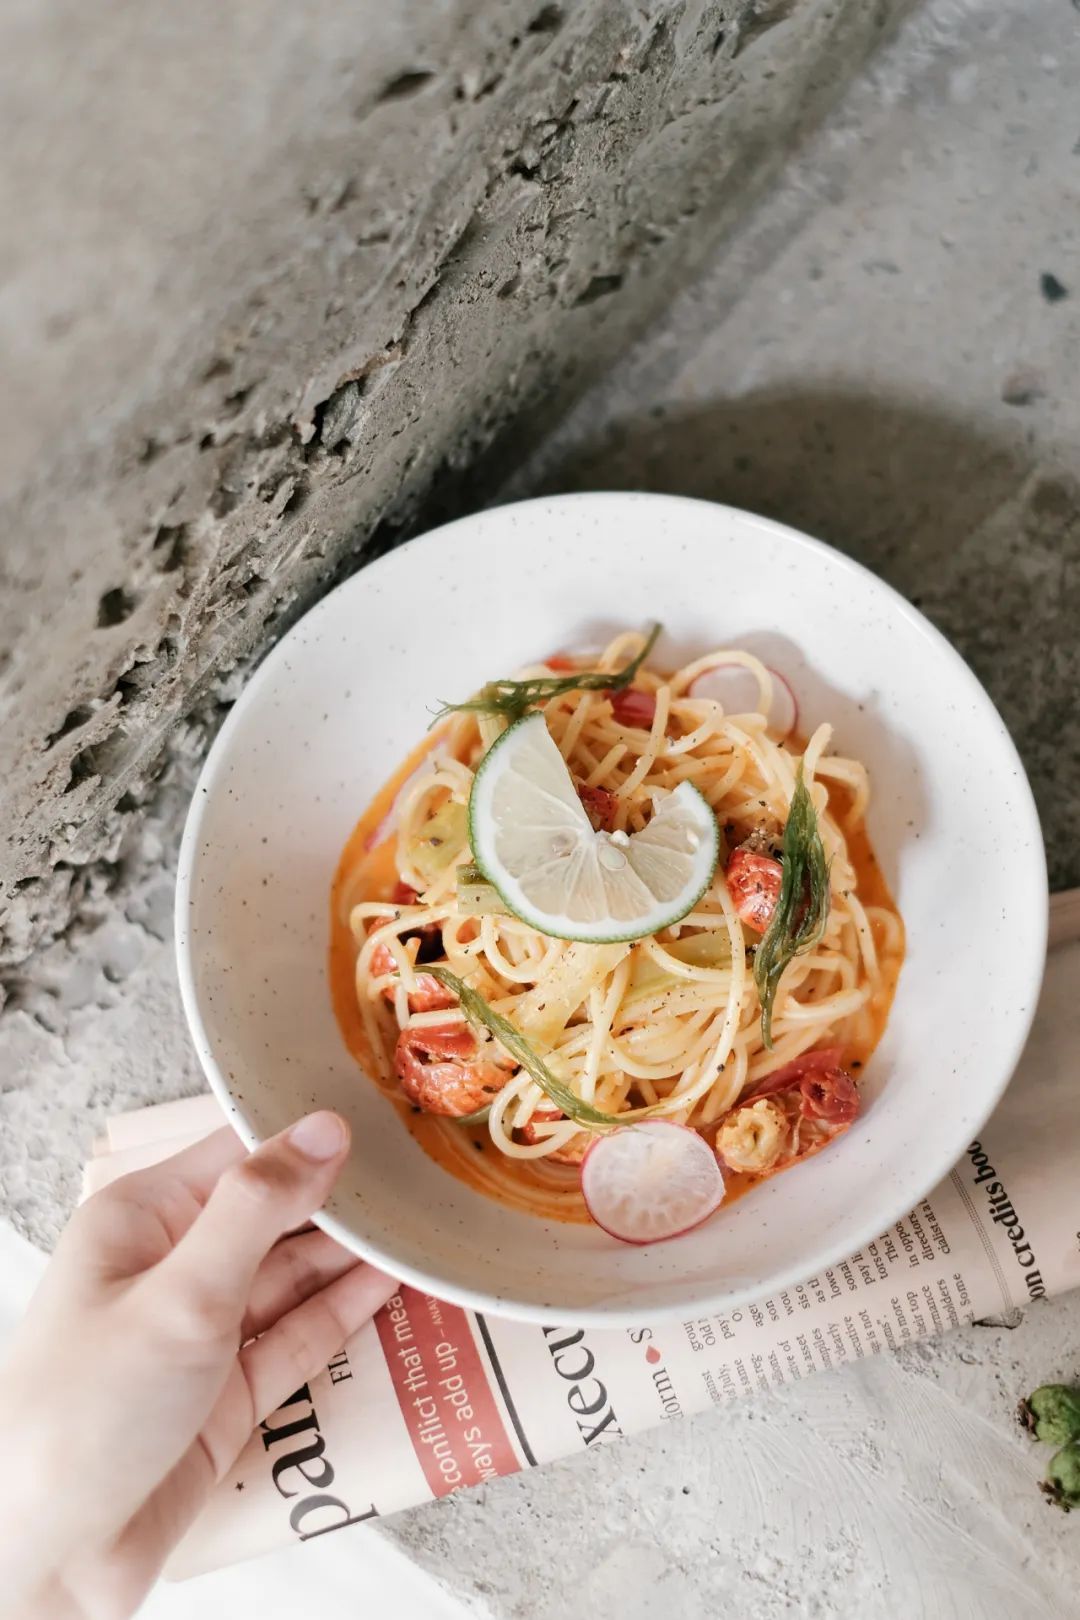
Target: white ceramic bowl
346	695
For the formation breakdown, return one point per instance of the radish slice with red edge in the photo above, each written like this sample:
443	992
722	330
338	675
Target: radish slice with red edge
652	1181
736	687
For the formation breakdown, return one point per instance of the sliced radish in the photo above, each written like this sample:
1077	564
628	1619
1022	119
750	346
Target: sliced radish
736	687
651	1181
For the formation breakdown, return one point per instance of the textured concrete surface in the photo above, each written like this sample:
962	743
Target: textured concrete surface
277	273
896	1488
887	355
888	358
309	270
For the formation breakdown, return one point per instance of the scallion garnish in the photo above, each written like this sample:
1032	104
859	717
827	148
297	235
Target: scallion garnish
512	699
803	907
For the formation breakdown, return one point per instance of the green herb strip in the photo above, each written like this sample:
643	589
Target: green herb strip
515	698
477	1011
481	1116
803	907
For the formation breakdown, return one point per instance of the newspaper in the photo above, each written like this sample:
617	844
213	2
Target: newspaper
430	1399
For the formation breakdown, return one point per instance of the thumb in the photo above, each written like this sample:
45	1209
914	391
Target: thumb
278	1187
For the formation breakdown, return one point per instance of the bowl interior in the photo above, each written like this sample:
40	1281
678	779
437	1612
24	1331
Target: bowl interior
336	707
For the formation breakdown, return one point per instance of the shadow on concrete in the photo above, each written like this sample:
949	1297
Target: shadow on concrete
969	526
900	488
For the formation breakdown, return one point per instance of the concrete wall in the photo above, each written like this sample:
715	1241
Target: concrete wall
272	278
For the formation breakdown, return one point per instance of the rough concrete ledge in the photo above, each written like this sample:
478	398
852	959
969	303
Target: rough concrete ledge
277	284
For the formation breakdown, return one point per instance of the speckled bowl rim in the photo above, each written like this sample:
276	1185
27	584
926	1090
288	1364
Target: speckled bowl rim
931	1170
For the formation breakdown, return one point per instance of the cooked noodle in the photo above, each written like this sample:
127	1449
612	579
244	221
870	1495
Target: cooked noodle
632	1025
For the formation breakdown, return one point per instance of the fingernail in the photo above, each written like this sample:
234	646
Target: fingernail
319	1136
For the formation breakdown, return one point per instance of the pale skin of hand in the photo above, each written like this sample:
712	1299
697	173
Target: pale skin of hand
181	1307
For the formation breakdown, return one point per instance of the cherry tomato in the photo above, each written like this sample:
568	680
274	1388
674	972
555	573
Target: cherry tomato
791	1075
633	708
403	894
754	883
830	1094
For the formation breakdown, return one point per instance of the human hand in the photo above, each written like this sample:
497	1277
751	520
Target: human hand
175	1315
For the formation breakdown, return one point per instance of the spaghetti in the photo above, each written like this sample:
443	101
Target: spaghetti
670	1023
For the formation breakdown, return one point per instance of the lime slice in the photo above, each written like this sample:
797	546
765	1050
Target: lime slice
534	843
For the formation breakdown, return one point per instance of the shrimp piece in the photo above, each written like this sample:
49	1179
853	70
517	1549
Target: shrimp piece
754	881
752	1138
440	1072
427	995
790	1116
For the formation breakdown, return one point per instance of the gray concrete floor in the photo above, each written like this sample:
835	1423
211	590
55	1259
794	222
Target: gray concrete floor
886	357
